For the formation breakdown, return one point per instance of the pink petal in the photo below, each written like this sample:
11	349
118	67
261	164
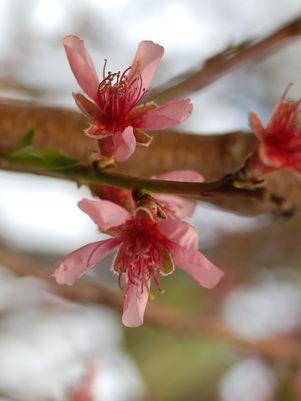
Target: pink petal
104	213
199	267
278	119
125	144
86	106
80	261
181	175
181	207
166	116
81	65
146	61
256	125
134	305
179	232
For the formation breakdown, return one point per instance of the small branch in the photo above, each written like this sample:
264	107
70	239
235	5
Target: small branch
88	175
165	318
225	62
211	155
222	187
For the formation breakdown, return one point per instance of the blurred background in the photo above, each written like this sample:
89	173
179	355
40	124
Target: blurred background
49	346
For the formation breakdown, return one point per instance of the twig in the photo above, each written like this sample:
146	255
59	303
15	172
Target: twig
165	318
225	62
211	155
88	175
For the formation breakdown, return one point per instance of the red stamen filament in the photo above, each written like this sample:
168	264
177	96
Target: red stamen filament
118	96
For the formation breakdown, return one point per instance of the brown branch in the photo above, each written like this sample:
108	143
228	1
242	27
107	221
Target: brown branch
212	155
156	314
88	175
226	62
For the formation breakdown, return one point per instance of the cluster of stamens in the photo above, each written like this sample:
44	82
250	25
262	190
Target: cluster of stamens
117	96
140	256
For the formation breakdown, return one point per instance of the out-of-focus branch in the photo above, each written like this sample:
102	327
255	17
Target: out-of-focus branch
34	91
161	316
225	62
213	156
6	396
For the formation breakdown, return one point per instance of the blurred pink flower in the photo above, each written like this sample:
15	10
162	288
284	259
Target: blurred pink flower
279	144
117	112
173	205
84	392
147	248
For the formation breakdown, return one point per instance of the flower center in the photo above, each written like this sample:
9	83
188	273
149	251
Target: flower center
142	253
118	95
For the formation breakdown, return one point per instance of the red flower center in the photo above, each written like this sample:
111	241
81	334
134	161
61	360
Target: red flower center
143	251
117	96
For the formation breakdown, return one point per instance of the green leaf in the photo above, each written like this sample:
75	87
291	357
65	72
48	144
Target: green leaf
26	154
27	139
54	160
47	159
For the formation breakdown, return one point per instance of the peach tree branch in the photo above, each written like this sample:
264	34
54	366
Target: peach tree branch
227	61
214	156
84	175
166	318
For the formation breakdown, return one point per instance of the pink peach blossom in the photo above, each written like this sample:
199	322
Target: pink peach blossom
148	247
117	111
279	144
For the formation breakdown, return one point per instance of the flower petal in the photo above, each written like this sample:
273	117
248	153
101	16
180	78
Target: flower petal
80	261
256	125
168	264
134	305
199	267
282	112
104	213
81	65
86	106
166	116
179	232
146	61
181	175
181	207
125	144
